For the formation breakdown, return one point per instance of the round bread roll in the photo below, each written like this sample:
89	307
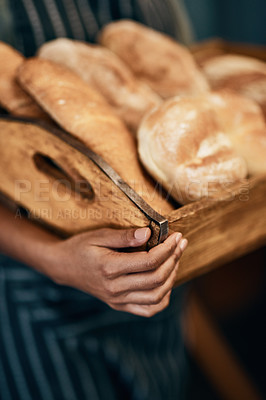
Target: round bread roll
243	122
166	66
184	146
85	114
12	97
244	75
105	72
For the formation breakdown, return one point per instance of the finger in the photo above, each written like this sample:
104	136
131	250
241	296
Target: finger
129	263
154	309
120	238
144	311
183	245
141	281
149	297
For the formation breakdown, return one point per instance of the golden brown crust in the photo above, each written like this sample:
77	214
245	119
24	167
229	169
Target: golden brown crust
84	113
244	124
185	147
12	97
106	73
166	66
244	75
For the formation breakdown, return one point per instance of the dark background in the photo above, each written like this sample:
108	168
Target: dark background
243	327
235	20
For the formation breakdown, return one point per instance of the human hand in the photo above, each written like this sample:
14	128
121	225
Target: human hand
139	282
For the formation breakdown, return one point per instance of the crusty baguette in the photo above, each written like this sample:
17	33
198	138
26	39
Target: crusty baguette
12	97
106	73
85	114
244	75
185	147
165	65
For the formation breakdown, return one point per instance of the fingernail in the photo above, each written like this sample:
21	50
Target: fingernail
141	234
183	244
178	237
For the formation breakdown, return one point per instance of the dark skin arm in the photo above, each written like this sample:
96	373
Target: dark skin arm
139	282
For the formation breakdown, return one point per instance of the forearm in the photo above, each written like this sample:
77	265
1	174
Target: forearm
26	242
139	282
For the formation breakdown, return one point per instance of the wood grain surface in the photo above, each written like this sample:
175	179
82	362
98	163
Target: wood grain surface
58	184
221	230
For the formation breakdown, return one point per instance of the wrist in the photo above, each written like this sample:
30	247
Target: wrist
48	258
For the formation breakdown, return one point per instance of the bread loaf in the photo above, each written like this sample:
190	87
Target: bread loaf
166	66
244	124
84	113
244	75
184	146
12	97
106	73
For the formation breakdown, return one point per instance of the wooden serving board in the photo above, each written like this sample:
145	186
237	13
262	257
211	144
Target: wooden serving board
66	186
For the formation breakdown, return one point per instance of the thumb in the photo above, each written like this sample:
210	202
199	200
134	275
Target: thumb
121	238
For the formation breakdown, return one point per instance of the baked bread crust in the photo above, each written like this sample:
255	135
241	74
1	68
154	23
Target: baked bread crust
244	75
105	72
165	65
12	97
184	146
85	114
244	124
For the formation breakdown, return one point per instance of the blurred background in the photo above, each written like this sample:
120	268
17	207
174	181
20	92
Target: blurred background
233	296
240	21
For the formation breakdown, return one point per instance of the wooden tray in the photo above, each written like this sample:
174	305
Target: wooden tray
218	230
214	47
64	185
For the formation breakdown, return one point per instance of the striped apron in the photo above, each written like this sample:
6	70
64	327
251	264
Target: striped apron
57	343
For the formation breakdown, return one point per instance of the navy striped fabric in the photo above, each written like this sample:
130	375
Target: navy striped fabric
38	21
57	343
